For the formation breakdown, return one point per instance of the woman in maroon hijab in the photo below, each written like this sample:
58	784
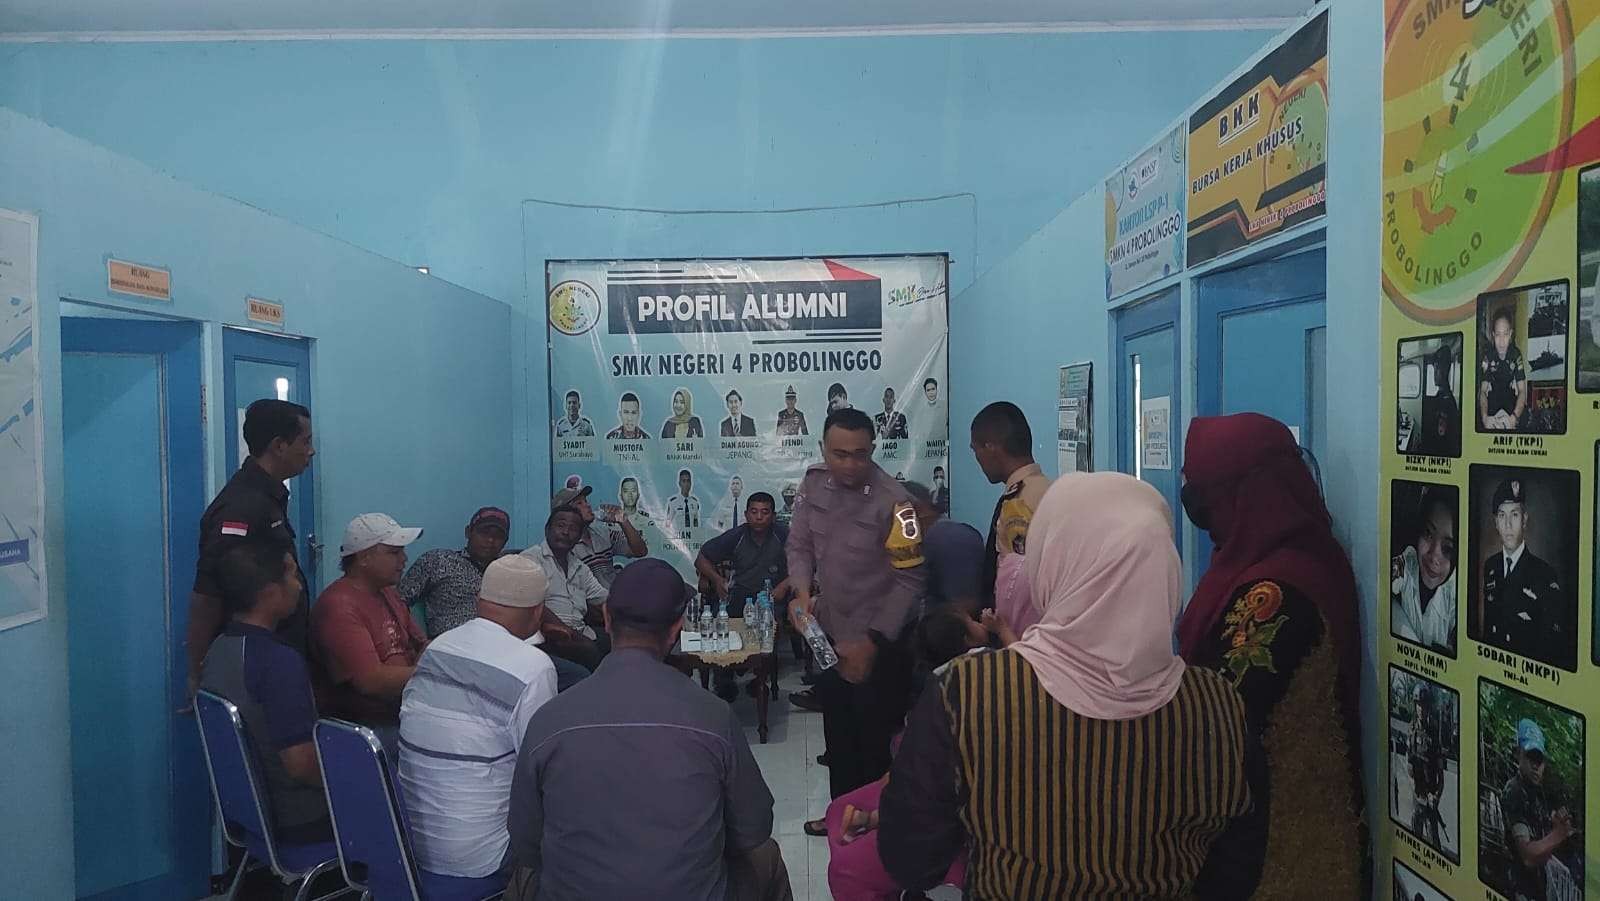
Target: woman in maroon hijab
1276	614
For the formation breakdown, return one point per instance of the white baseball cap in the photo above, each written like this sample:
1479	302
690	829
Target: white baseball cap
514	581
373	529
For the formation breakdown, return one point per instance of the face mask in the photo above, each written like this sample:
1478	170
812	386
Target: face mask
1195	508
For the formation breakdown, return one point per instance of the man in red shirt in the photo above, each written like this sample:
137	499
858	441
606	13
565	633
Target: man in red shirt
366	640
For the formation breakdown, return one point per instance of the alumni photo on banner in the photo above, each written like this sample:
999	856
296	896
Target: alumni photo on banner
681	387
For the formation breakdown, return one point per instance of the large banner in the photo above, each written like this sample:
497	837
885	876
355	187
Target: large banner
681	388
22	579
1490	256
1144	217
1258	149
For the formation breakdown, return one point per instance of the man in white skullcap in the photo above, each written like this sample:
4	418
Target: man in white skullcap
462	720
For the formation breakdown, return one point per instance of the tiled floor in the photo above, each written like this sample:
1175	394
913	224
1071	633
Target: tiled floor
799	784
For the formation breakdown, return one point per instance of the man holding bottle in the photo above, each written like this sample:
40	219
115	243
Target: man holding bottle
856	531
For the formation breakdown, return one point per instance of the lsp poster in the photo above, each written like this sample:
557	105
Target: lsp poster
1491	411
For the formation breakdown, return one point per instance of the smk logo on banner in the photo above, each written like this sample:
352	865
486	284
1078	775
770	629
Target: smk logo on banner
574	308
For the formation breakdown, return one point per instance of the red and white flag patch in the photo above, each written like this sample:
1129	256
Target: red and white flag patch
242	529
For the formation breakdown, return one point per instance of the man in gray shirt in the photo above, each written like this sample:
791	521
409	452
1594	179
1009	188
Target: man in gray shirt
638	784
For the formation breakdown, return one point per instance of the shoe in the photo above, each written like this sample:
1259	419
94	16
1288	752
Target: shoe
822	759
805	700
815	828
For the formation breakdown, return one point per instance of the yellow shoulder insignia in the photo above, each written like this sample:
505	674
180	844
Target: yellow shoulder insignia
905	538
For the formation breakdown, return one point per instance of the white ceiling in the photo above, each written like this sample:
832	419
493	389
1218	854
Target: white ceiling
70	19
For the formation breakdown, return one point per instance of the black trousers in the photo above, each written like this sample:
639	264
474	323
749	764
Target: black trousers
860	721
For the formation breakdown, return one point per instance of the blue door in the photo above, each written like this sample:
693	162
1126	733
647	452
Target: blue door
1149	415
1262	346
135	489
257	366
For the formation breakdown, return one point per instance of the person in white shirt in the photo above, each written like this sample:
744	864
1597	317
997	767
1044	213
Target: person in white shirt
1422	588
575	595
462	719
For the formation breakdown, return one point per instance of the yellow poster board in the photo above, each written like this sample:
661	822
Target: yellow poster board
1258	148
1490	420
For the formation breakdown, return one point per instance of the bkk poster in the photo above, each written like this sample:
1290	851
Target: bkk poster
1491	387
1258	149
680	388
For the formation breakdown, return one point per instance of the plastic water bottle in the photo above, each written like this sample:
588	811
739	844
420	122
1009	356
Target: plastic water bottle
722	627
821	652
705	627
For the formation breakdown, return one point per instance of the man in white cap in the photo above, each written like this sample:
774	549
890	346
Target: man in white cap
462	722
363	632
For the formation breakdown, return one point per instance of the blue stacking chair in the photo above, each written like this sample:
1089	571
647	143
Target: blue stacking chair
241	802
370	827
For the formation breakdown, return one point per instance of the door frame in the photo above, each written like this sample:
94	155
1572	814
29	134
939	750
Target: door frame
1150	314
280	350
179	344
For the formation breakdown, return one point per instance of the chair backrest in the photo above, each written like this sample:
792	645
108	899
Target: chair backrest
368	822
235	779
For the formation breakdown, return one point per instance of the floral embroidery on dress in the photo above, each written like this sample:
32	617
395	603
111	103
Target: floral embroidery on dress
1247	632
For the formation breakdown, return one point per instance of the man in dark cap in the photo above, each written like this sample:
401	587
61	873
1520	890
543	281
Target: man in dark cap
640	769
1525	609
791	421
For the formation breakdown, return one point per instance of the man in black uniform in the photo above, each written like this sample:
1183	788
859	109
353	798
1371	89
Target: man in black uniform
1526	611
891	423
1502	381
791	421
253	505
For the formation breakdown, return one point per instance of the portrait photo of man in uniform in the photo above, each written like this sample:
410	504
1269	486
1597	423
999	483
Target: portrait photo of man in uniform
1522	360
1524	542
891	423
791	419
1531	789
1428	396
1425	761
574	424
628	412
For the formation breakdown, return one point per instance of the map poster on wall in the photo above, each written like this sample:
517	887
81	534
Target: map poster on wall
681	388
1490	257
1144	217
22	582
1258	149
1075	419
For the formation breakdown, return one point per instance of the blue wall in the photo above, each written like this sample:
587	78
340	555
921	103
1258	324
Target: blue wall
423	150
411	383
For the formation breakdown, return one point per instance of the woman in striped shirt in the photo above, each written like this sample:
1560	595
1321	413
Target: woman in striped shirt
1085	760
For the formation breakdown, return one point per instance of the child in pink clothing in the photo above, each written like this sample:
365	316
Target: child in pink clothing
854	871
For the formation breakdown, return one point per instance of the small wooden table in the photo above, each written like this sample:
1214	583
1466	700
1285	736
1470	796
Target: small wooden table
749	659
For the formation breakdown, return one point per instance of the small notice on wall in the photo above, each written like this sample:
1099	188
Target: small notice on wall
264	312
1075	419
138	281
1155	443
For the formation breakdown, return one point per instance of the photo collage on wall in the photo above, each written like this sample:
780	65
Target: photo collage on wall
1491	411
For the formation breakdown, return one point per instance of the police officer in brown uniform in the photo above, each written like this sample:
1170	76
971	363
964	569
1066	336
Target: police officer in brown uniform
856	531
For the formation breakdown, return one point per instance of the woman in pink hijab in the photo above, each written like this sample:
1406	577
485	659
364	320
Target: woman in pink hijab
1085	760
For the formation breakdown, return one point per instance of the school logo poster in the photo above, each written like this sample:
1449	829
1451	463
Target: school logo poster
1144	217
1490	262
678	389
1258	149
